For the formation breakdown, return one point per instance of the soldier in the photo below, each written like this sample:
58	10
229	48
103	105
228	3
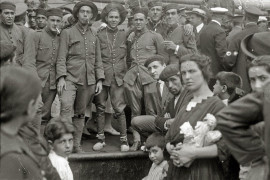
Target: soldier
235	60
41	50
138	82
79	69
41	18
197	18
176	42
113	53
9	31
213	42
31	14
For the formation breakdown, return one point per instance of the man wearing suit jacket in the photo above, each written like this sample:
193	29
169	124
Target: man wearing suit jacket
171	76
197	18
213	41
145	123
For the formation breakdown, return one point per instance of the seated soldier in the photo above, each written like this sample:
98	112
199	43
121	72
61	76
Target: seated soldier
226	83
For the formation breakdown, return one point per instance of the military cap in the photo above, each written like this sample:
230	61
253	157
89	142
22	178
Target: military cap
198	12
154	58
141	10
237	18
7	5
7	49
54	12
219	10
41	12
122	11
66	10
168	71
21	9
85	3
154	3
257	44
172	6
253	11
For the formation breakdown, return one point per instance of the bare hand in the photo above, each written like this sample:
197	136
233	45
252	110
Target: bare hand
169	123
188	29
98	87
169	45
61	85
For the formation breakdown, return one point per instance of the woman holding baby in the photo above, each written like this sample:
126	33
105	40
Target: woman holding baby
190	161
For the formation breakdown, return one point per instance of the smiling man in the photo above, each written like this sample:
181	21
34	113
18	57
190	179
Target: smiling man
79	69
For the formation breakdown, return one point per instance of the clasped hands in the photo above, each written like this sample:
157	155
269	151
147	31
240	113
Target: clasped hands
182	154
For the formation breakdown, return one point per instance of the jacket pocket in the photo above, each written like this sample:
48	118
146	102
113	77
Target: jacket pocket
74	47
43	53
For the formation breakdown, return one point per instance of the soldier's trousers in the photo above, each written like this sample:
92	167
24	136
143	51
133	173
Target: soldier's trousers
118	103
73	104
48	96
136	92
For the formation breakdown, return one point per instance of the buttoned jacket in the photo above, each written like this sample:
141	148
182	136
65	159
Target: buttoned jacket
79	58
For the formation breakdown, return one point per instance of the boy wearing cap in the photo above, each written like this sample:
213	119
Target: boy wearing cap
235	60
41	18
213	42
197	18
79	69
138	82
41	50
113	53
9	31
176	42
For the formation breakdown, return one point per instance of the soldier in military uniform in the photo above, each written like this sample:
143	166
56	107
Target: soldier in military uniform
235	60
41	18
41	50
176	42
138	82
113	53
79	69
9	31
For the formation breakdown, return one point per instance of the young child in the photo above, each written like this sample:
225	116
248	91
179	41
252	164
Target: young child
226	83
155	144
59	135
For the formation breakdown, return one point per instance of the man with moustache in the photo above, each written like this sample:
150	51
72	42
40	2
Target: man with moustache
138	82
41	18
176	42
41	50
113	53
79	69
9	31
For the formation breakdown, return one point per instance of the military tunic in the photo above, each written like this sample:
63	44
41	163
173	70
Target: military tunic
159	27
137	81
187	43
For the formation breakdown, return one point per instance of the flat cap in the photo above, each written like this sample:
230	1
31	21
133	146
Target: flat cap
21	9
122	11
172	6
168	71
154	3
253	11
154	58
198	12
141	10
219	10
54	12
257	44
237	18
66	10
7	5
7	49
80	4
41	11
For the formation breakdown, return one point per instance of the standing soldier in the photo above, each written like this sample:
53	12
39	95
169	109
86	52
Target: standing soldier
138	83
113	53
41	18
176	42
235	59
79	69
9	31
41	49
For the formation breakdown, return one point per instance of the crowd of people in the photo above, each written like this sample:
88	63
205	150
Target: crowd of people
197	83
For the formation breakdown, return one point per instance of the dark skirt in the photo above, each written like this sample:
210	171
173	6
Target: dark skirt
201	169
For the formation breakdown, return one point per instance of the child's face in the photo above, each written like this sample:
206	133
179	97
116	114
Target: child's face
64	145
156	154
217	88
